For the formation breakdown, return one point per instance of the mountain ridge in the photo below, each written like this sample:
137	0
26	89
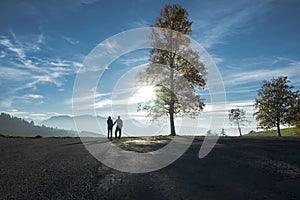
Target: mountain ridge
10	125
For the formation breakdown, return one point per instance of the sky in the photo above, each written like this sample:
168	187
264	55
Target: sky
43	45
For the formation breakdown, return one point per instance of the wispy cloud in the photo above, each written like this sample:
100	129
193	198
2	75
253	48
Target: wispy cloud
121	98
241	89
87	98
6	103
2	54
140	24
32	96
59	63
290	68
25	99
135	61
110	45
26	69
12	48
88	2
8	73
228	20
71	40
41	39
38	69
15	112
29	115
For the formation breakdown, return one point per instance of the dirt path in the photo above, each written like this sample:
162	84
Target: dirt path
265	168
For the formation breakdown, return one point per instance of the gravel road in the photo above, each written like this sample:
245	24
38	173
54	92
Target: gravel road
237	168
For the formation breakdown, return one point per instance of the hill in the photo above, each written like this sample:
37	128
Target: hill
87	124
68	123
14	126
10	125
284	132
62	122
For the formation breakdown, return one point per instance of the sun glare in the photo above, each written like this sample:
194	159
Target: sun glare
146	93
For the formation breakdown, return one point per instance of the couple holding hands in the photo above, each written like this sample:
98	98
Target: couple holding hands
110	125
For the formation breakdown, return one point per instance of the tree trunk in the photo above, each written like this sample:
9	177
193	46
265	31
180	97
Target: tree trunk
172	124
239	128
172	103
278	129
240	131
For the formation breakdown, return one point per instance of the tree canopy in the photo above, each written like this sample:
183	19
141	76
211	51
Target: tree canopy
175	70
295	121
238	117
275	103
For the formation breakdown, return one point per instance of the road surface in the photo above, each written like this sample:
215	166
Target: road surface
237	168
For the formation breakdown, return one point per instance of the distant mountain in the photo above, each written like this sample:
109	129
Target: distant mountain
87	123
10	125
63	122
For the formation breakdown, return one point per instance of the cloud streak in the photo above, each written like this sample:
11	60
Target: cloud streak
227	21
70	40
25	69
290	69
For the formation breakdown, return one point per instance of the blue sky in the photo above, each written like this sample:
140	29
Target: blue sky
43	45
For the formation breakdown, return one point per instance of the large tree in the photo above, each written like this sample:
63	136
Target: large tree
175	70
295	118
238	117
275	103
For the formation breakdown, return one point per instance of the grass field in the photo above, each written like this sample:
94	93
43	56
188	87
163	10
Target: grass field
12	136
284	132
37	136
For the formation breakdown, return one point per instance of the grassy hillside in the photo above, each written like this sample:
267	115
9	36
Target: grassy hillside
13	126
284	132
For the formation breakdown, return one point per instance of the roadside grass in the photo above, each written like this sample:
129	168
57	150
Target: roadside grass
13	136
284	132
271	133
37	136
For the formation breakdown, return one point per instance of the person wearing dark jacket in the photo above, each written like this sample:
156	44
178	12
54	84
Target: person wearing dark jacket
109	127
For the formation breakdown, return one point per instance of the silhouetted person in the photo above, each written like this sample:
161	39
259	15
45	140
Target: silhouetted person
119	127
109	127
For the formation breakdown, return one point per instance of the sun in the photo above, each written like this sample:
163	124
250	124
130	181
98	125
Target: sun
146	93
142	94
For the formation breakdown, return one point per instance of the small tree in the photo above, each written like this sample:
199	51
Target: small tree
223	132
275	103
209	133
237	116
183	75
